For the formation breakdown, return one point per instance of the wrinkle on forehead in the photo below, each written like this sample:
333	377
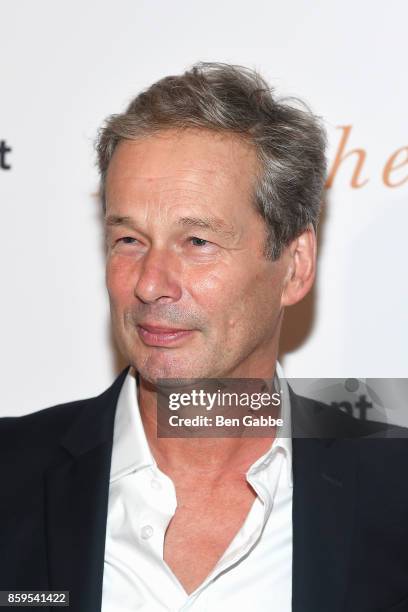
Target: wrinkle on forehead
212	223
192	157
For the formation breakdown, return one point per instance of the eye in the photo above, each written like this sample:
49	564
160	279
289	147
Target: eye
199	241
128	245
127	240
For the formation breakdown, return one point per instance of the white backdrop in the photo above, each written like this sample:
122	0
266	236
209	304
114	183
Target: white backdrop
66	65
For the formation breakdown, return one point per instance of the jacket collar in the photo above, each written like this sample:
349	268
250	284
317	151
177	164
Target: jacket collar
94	425
76	493
324	508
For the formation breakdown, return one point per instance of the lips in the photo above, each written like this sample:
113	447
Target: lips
155	335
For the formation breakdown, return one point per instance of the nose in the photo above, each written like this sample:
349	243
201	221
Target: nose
159	278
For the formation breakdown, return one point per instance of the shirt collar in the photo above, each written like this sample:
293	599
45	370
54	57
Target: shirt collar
131	450
283	438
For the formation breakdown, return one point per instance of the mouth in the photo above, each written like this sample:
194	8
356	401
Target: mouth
153	335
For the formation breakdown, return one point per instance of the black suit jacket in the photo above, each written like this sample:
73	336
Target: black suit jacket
350	506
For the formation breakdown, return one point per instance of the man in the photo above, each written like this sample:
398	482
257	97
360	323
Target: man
212	191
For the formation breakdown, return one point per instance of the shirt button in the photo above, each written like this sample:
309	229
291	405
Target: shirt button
155	484
147	532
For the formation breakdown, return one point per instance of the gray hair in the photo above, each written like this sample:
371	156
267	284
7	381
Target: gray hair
289	141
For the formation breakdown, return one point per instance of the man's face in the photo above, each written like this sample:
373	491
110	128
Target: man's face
185	252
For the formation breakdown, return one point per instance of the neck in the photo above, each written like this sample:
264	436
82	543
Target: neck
209	458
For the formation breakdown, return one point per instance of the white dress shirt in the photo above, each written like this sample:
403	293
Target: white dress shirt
254	573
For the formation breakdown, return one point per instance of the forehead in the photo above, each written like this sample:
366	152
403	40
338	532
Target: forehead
200	166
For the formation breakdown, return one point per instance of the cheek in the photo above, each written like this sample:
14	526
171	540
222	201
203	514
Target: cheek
255	302
120	279
213	290
222	295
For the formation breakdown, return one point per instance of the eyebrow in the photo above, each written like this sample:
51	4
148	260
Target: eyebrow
115	220
214	224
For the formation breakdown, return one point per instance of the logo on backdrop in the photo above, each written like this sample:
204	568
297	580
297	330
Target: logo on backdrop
394	172
5	151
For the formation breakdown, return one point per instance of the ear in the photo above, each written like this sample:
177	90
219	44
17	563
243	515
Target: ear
301	267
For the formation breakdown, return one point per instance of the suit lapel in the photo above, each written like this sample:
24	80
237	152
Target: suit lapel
77	490
324	474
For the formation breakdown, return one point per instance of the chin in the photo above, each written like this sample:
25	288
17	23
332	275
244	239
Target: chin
176	370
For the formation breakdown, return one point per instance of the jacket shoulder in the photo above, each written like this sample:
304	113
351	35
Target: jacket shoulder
44	427
312	418
36	428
